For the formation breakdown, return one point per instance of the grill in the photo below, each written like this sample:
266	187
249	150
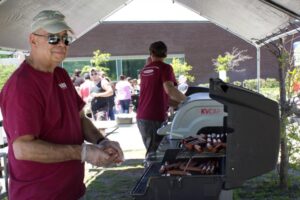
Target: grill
216	141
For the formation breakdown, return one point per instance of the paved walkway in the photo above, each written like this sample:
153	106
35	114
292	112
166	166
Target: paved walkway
127	135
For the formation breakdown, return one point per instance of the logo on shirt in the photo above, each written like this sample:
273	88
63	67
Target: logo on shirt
148	72
62	85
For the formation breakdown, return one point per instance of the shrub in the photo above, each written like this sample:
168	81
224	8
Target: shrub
264	83
182	68
271	83
5	72
250	84
238	83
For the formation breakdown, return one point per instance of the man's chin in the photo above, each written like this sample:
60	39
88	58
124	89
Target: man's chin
59	59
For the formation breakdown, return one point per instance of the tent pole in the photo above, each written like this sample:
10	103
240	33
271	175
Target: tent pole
258	67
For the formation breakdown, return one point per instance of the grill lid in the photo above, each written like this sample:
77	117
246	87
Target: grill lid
253	143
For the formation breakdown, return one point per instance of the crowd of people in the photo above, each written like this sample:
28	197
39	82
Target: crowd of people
103	97
158	94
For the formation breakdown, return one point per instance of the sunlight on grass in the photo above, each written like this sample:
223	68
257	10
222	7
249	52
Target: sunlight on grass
266	187
114	182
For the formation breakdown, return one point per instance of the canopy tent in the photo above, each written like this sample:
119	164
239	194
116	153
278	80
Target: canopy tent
255	21
258	21
82	15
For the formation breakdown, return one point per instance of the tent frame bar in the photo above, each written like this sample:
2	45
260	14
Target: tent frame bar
281	8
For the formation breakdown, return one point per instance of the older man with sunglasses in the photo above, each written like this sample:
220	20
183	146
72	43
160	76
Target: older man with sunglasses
43	118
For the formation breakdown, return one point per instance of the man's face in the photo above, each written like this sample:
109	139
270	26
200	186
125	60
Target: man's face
49	53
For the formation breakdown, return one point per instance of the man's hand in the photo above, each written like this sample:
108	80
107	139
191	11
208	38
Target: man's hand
113	149
97	156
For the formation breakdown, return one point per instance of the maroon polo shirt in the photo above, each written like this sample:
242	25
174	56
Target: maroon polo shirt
45	105
153	100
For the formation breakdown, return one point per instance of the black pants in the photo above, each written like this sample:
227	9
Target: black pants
148	130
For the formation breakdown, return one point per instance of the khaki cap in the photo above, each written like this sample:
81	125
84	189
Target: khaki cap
50	20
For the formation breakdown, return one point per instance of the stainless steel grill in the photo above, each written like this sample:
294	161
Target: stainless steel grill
250	123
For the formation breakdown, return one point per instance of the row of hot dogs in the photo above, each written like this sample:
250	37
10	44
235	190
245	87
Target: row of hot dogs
187	168
205	143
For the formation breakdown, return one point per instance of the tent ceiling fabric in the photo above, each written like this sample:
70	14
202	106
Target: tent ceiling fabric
82	15
292	5
252	20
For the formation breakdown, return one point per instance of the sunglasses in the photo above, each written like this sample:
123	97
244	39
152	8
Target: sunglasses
55	38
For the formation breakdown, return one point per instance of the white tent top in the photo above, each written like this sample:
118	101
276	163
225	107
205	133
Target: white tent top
16	17
145	10
255	21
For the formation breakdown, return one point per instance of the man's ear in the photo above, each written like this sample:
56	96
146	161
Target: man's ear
32	40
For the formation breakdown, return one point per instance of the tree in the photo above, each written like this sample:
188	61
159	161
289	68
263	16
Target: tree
288	73
100	58
182	68
5	72
230	61
97	61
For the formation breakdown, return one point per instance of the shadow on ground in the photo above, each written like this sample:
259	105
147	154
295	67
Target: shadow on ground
115	182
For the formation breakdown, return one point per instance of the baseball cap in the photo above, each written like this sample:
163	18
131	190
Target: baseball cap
50	20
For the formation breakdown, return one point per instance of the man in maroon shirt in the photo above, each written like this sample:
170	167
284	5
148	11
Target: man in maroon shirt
44	121
157	90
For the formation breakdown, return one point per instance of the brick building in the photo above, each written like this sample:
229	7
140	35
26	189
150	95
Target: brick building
197	42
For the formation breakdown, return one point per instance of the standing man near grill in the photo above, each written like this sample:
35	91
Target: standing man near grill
157	91
44	121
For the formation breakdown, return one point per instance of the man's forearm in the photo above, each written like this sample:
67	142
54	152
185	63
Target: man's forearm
176	95
45	152
173	92
90	132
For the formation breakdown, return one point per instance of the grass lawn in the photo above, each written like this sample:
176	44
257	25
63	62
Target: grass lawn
115	182
267	187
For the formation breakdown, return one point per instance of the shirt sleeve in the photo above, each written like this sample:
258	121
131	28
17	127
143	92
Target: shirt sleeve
23	111
168	74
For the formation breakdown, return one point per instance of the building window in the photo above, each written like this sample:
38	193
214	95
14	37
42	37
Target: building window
125	65
131	68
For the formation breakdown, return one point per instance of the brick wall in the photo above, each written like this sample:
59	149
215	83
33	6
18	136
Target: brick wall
200	42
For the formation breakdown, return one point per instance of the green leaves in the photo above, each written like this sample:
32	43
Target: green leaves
99	59
230	61
223	62
182	68
5	72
